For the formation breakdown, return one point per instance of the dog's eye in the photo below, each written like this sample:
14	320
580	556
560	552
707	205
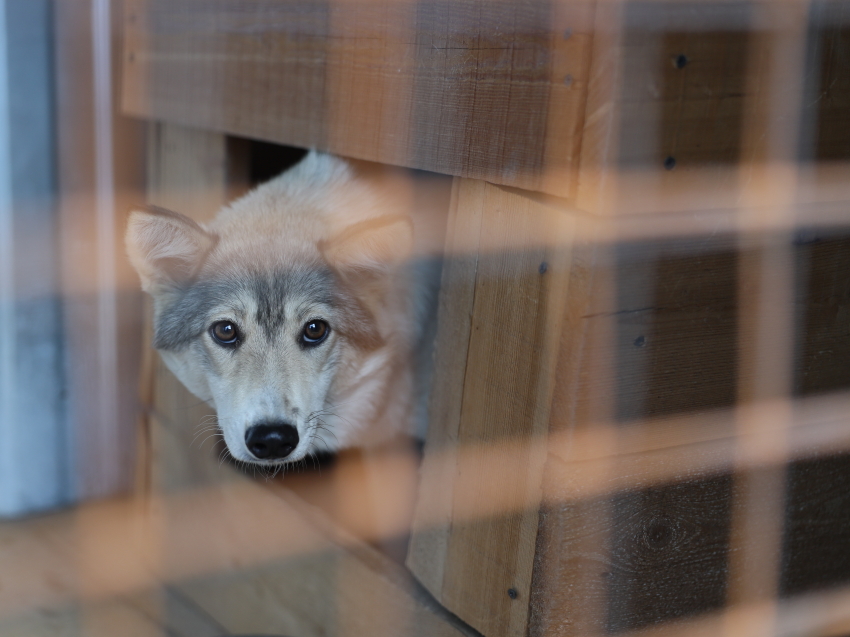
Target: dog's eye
224	332
315	332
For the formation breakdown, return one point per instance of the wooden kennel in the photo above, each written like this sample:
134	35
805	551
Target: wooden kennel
639	422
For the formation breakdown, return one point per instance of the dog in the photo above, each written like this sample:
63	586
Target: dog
305	312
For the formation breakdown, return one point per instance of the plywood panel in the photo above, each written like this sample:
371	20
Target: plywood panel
492	90
500	316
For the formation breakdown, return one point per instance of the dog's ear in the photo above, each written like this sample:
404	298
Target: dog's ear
370	247
165	247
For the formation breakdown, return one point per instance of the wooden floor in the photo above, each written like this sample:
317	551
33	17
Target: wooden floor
45	587
235	555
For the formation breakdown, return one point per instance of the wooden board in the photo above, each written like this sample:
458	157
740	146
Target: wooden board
505	284
314	579
678	498
693	106
490	90
827	89
202	562
823	298
100	174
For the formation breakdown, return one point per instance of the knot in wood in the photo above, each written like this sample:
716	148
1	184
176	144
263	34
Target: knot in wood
658	534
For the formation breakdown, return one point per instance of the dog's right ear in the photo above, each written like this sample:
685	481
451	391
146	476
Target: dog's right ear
165	247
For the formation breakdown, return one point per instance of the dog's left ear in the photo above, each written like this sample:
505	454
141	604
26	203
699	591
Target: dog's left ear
370	247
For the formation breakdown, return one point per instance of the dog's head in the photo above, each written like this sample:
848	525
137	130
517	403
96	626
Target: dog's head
279	318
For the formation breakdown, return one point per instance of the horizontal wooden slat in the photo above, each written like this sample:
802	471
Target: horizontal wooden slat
476	88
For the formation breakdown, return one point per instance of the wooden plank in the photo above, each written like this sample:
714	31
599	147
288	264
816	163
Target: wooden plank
103	619
100	168
428	550
668	112
500	316
815	545
478	89
823	298
660	339
176	614
187	170
203	562
827	90
309	578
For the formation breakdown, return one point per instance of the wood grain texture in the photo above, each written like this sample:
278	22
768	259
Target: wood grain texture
677	329
428	549
500	315
490	90
644	328
816	546
823	301
187	170
310	578
827	92
671	84
683	96
635	558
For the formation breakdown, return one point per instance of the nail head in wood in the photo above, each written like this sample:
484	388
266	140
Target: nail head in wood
512	593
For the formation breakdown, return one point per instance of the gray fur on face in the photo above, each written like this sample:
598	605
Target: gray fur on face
188	315
272	291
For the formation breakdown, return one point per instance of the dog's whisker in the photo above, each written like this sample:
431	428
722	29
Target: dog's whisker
212	436
208	431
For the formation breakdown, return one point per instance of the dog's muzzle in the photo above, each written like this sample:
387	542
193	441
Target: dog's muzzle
271	441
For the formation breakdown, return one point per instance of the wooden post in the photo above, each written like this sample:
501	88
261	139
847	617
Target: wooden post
504	288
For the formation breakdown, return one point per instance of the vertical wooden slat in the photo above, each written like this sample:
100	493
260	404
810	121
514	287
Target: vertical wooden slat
102	361
500	315
428	550
597	185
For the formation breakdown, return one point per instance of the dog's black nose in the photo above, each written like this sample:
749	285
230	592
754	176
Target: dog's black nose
271	441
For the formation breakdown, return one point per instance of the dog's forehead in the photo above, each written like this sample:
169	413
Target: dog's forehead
265	296
289	295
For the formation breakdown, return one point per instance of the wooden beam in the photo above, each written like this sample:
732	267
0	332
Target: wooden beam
475	88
